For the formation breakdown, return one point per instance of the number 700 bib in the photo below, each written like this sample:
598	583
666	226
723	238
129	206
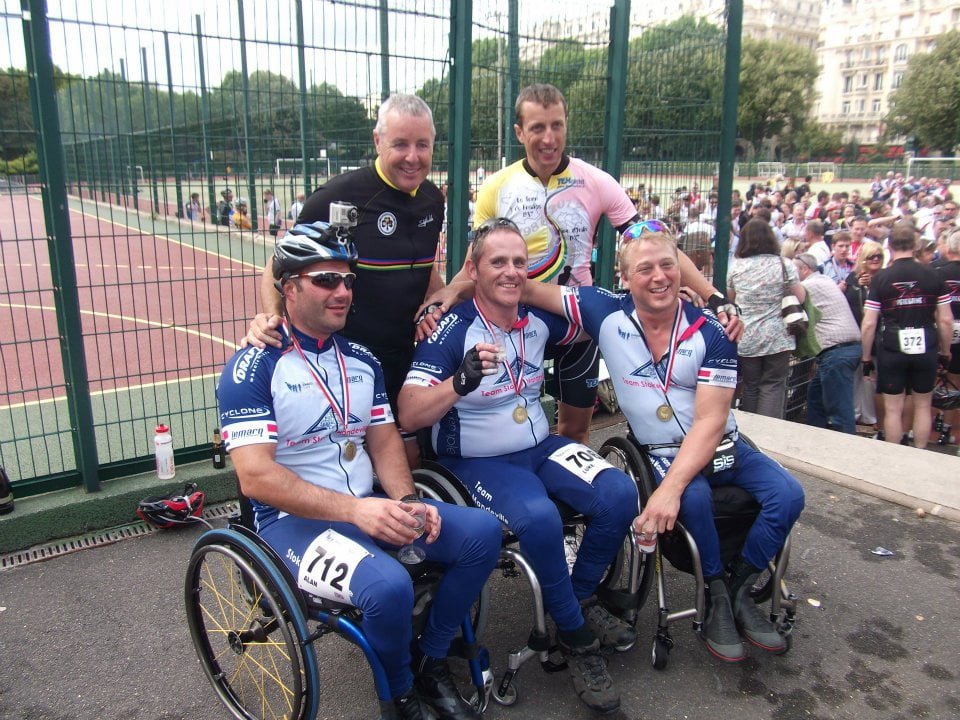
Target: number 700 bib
328	566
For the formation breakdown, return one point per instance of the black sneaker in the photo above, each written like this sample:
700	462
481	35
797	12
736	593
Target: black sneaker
591	681
436	687
611	630
751	621
719	630
6	493
408	706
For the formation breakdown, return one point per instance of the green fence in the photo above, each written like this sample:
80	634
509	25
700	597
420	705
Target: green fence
120	303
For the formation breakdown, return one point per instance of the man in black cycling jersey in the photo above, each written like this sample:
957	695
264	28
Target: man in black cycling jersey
908	313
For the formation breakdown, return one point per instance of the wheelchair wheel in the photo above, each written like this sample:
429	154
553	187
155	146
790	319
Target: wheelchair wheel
624	455
660	654
249	630
437	483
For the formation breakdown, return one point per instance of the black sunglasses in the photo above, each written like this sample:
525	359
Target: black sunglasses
488	226
328	279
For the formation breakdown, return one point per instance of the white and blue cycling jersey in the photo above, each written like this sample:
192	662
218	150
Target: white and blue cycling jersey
482	424
271	396
703	355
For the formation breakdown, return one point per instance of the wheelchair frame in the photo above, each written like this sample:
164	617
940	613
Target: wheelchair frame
625	453
436	481
253	596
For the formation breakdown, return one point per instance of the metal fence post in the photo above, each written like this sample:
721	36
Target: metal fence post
251	183
177	183
302	78
384	50
51	155
728	140
511	147
204	129
154	194
458	179
613	127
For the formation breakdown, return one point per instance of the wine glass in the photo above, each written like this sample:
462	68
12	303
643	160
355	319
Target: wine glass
411	554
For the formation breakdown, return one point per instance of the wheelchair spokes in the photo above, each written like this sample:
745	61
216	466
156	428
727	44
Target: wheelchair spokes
247	647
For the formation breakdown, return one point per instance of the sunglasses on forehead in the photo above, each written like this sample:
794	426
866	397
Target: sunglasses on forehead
637	229
488	226
328	279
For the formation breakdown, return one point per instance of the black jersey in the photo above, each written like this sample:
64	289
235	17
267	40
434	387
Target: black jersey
906	294
396	237
949	272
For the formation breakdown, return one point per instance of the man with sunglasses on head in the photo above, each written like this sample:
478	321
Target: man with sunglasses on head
306	426
675	373
399	216
476	382
557	201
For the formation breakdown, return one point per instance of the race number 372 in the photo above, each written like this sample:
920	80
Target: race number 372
580	460
328	566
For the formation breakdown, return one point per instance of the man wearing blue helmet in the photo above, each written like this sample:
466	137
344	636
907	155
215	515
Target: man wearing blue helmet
307	425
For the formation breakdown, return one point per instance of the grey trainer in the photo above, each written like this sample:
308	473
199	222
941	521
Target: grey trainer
720	630
751	621
611	630
591	681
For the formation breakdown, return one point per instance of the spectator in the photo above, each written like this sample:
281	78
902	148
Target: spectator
271	207
791	248
225	208
839	266
858	234
830	393
193	210
241	219
795	227
697	242
816	244
296	207
756	282
949	272
866	404
917	323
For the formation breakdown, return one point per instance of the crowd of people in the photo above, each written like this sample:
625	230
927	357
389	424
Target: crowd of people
892	252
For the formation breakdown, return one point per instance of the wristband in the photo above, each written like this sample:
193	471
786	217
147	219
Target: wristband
943	361
411	498
428	310
868	367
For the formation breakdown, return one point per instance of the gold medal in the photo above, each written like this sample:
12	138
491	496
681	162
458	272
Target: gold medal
664	412
350	450
519	414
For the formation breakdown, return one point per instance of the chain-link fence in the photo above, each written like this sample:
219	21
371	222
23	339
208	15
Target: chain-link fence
127	127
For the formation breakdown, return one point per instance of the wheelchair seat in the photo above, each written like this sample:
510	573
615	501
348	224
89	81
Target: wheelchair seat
735	510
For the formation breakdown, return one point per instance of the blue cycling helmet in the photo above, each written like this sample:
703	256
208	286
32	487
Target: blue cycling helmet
308	243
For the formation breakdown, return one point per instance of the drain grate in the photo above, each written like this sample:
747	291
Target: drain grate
39	553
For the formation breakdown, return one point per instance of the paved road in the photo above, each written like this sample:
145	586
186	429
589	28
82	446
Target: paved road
100	634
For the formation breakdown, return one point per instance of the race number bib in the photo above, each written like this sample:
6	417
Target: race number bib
580	460
328	566
912	341
956	333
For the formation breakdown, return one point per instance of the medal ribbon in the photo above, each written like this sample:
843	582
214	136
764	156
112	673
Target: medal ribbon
340	413
518	382
675	341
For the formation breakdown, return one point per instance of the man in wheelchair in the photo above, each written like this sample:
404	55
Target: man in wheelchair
675	373
306	426
477	382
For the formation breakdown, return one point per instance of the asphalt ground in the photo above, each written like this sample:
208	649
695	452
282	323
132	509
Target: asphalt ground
101	634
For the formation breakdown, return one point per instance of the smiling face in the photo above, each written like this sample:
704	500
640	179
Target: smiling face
405	149
650	271
500	271
542	131
315	310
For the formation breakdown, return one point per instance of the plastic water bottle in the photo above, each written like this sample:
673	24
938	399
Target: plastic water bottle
163	451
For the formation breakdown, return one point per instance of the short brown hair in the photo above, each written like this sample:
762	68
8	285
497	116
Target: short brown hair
757	238
903	236
542	94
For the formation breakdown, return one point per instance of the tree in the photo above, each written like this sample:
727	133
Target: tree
927	103
776	88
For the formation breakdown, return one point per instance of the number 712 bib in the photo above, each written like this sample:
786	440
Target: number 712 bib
328	566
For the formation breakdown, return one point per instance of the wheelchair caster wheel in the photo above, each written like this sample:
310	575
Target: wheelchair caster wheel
660	655
510	695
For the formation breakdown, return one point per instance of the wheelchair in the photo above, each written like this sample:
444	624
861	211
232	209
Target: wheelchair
254	630
734	513
622	590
